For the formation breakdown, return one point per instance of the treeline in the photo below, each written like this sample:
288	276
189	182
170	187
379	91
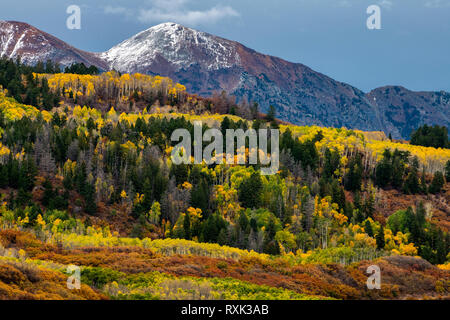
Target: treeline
431	136
104	92
432	242
399	170
18	79
79	68
321	198
122	163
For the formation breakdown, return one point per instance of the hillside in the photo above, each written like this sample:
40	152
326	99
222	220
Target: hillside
132	271
87	179
205	64
19	39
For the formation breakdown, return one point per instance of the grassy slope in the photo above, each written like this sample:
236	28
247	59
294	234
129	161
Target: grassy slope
135	272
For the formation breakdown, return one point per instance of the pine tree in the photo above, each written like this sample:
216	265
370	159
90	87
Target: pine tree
254	110
286	141
423	182
250	190
380	238
244	223
358	215
331	163
187	226
357	200
338	194
354	177
368	228
89	197
225	125
3	176
222	237
48	192
383	170
369	205
447	171
147	191
200	197
411	185
271	114
437	183
399	158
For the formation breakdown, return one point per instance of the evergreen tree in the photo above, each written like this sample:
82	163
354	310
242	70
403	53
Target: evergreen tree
225	125
48	192
4	180
368	228
369	205
447	171
200	197
383	170
437	183
270	245
244	223
338	194
286	141
357	200
250	190
306	153
271	114
254	110
89	197
180	172
380	238
222	237
436	137
353	179
187	226
423	182
147	191
411	185
331	163
358	216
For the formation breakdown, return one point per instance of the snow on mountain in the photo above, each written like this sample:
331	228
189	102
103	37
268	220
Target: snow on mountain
205	63
175	46
33	45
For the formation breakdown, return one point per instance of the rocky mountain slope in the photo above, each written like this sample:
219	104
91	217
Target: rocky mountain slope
402	110
206	63
18	39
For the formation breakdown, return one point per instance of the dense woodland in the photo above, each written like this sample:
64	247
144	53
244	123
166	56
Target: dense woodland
435	136
76	172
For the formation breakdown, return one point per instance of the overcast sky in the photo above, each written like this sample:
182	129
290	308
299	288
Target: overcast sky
412	49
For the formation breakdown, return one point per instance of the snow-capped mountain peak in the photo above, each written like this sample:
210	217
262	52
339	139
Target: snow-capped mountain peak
206	64
19	39
172	45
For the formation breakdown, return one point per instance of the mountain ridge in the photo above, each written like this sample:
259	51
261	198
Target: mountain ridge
33	45
206	63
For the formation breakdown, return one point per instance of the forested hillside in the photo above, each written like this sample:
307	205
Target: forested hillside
86	178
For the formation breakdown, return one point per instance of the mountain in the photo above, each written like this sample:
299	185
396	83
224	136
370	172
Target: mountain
205	63
33	45
402	110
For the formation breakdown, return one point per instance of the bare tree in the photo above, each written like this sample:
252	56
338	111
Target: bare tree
174	201
42	151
